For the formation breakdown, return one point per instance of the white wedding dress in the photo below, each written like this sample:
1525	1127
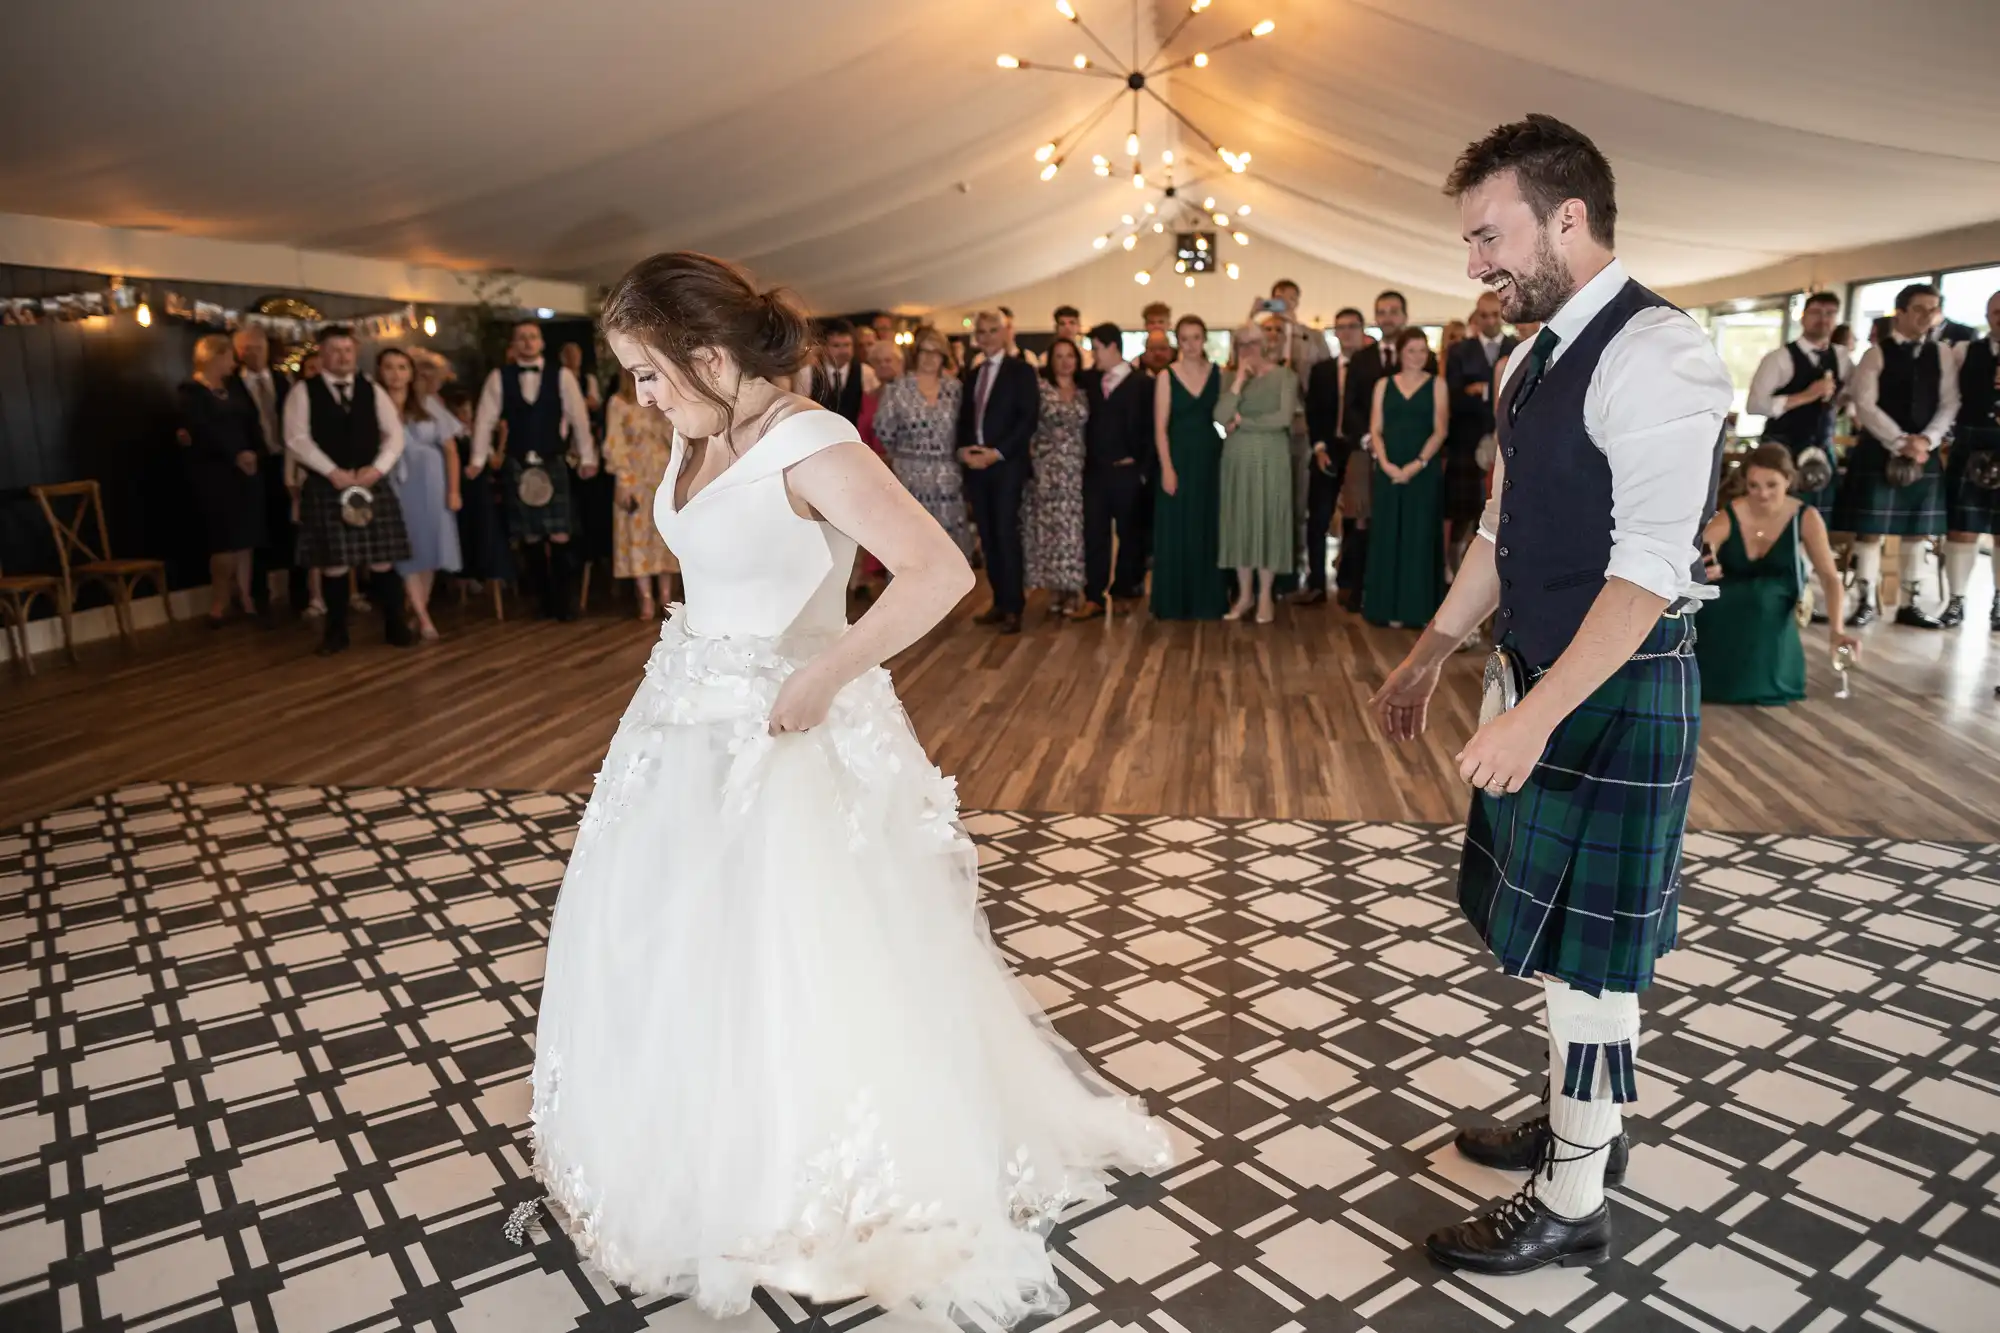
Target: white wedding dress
776	1044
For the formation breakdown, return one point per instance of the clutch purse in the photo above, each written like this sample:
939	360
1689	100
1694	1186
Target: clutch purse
357	506
1505	681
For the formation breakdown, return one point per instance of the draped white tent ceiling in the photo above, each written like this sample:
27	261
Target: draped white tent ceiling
870	154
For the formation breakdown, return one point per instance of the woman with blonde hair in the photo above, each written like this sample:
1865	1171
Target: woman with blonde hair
916	421
1256	408
426	481
225	443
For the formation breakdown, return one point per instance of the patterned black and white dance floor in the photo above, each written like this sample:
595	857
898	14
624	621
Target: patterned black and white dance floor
263	1057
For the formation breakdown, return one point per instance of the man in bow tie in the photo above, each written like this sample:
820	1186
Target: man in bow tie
542	429
346	433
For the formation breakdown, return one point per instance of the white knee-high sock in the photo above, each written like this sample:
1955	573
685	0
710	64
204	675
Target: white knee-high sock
1592	1040
1868	564
1911	569
1960	559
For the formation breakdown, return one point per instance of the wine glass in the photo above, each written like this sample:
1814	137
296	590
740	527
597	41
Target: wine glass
1843	658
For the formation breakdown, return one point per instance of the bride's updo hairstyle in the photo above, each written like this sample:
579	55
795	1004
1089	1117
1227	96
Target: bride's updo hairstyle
681	302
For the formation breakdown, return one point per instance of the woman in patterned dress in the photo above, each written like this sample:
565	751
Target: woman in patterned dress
1052	508
637	444
917	423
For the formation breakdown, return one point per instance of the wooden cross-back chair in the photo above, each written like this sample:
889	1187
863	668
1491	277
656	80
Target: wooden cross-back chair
17	599
84	547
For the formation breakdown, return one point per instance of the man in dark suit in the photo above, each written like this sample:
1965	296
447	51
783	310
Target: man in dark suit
997	415
1392	314
1118	463
264	387
1326	389
1468	378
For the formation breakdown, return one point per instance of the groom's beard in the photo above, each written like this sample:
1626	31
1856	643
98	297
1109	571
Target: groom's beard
1536	295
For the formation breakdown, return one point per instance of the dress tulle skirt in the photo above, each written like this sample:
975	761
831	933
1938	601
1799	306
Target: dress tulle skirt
776	1044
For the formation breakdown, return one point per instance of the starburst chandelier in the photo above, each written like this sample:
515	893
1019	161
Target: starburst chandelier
1136	80
1196	232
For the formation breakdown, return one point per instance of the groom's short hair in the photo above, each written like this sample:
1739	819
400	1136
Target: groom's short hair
1552	162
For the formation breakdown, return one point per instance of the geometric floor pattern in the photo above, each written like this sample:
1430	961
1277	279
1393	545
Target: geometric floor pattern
263	1056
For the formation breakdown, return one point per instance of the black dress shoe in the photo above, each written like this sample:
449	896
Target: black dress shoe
1953	614
1915	617
1519	1147
1308	597
1864	607
1520	1235
992	615
1010	624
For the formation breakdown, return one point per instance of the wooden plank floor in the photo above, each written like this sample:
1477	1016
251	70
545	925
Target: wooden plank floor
1125	716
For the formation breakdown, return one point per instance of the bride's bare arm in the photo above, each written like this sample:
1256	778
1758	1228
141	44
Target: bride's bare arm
849	487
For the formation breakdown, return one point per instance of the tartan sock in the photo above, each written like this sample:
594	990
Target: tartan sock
1960	559
1868	565
1591	1044
1911	570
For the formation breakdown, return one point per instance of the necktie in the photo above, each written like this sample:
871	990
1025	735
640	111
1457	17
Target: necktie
986	375
1531	374
345	394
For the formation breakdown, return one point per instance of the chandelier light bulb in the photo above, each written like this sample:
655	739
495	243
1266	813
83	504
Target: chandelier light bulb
1180	266
1221	219
1201	60
1167	158
1159	226
1242	239
1150	210
1132	242
1142	277
1100	243
1080	60
1199	5
1049	171
1233	270
1264	29
1243	212
1008	62
1066	9
1132	144
1045	152
1209	203
1138	180
430	326
1189	280
1201	242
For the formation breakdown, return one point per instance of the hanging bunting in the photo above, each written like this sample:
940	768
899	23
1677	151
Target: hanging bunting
118	296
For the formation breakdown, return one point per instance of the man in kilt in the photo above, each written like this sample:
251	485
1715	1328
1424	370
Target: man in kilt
1797	390
542	429
346	435
1972	474
1905	396
1610	446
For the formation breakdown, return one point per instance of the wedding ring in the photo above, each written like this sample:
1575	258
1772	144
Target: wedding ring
1496	790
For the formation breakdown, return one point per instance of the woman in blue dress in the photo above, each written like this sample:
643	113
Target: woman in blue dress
426	482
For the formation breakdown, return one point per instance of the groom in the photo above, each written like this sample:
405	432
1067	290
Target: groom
1610	435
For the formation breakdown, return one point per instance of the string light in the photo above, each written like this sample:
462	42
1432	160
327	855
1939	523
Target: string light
1067	10
1233	270
1045	152
1101	165
1142	277
1008	62
1264	29
144	315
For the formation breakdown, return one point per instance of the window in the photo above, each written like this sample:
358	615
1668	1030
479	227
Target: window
1745	332
1867	301
1132	344
1966	293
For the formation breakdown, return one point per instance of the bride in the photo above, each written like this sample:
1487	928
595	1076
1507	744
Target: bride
776	1044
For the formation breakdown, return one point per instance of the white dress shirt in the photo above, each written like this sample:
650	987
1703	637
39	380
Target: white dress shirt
1490	346
298	424
576	413
1654	407
982	396
1867	389
264	393
1115	377
1776	370
836	377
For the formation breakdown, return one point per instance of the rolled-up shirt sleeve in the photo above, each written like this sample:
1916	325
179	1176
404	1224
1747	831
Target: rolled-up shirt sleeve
298	432
1656	407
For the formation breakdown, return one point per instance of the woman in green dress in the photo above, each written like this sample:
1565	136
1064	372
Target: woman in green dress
1747	638
1187	583
1405	581
1256	508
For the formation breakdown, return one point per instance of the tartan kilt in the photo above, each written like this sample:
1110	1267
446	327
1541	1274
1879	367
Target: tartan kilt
1970	508
1577	875
1869	504
325	542
529	524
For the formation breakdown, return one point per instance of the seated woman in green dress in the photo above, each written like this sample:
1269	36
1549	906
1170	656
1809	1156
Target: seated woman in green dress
1256	409
1747	638
1405	580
